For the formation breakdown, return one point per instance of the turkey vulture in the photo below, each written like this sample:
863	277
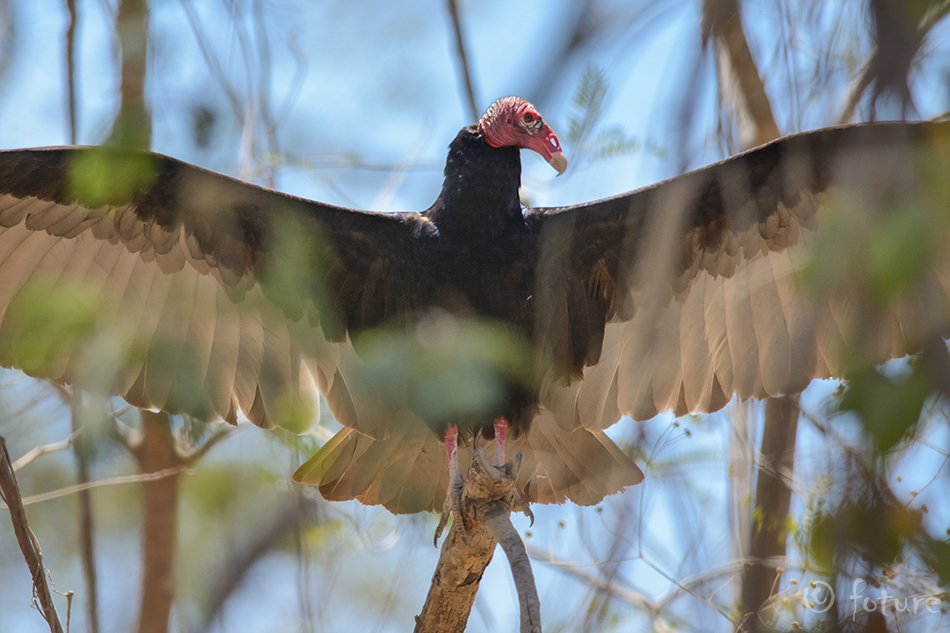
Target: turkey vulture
184	290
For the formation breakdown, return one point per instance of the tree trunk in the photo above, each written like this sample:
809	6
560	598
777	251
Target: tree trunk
87	543
772	498
157	453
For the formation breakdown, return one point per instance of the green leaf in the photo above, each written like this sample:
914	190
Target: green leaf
106	176
888	406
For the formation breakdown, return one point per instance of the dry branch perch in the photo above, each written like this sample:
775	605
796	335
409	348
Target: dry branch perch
487	500
500	526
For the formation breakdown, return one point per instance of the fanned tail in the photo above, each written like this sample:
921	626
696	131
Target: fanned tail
407	472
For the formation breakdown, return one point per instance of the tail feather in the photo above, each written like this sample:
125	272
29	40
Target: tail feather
407	472
583	466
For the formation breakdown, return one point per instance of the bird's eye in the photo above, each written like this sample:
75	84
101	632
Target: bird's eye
528	117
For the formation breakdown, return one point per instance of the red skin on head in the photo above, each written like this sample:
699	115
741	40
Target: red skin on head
513	122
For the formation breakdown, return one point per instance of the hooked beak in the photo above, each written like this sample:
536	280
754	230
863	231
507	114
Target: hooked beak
558	161
545	143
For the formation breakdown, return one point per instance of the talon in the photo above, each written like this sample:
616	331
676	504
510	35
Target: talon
451	506
443	521
525	508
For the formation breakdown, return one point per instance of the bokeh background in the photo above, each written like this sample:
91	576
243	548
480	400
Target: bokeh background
353	102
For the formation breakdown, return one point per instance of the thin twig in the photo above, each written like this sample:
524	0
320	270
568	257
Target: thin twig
264	87
615	589
463	58
211	59
112	481
220	434
283	521
71	69
46	449
10	491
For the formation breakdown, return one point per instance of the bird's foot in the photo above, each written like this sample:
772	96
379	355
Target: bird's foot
453	496
443	521
523	505
451	506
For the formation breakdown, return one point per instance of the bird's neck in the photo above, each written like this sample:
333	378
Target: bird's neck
479	202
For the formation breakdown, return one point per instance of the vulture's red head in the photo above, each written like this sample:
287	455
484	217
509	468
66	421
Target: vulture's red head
513	122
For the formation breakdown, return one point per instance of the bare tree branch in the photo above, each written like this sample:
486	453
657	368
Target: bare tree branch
894	51
499	524
220	434
212	59
45	449
71	69
463	59
264	89
750	104
30	547
132	128
610	586
282	523
86	528
739	74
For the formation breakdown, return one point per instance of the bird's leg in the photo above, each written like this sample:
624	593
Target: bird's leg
453	495
501	431
456	483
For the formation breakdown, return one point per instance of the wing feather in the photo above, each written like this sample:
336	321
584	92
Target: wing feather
717	336
250	355
16	209
189	383
695	360
150	288
188	272
596	405
724	295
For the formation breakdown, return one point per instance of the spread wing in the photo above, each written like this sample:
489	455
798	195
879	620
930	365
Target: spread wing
184	290
752	276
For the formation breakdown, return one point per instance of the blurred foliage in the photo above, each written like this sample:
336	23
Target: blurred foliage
46	322
110	176
866	525
888	406
445	368
586	135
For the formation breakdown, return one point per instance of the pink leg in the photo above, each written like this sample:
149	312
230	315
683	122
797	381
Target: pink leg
451	447
501	430
454	493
